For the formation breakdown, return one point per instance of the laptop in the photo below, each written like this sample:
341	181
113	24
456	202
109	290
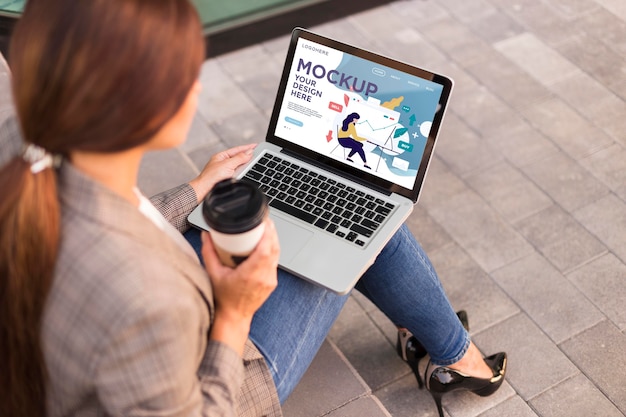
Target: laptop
346	153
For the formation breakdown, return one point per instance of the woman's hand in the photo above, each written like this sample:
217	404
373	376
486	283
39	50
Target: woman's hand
221	166
239	292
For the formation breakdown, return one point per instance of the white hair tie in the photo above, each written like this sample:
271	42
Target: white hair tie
39	159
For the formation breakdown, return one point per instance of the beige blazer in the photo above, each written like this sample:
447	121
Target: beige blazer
126	323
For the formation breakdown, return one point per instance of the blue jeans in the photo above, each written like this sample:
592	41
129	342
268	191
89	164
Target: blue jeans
293	323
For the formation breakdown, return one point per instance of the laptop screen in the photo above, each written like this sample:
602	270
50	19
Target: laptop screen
362	113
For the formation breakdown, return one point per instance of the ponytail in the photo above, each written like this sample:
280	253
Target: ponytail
92	76
29	240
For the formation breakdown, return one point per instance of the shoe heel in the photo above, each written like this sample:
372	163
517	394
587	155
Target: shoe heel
411	351
415	368
437	397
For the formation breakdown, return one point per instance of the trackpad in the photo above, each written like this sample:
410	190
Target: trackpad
292	238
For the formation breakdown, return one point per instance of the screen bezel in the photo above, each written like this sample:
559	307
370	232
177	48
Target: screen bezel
342	168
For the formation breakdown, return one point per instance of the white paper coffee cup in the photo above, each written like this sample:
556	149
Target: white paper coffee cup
235	212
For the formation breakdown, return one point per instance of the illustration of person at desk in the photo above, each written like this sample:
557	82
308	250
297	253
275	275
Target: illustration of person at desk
348	138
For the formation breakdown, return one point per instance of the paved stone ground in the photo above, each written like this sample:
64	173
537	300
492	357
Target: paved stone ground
524	210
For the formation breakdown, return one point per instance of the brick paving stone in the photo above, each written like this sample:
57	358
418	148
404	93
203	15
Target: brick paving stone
566	182
560	238
548	298
600	353
539	60
602	282
577	396
609	165
328	365
606	218
522	145
509	192
514	406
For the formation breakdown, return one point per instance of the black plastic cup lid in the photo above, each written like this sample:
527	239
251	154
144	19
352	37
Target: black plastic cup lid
234	206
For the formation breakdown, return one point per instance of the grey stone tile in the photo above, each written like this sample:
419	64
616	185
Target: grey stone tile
161	170
508	81
539	60
363	406
606	218
245	64
256	73
575	397
606	27
522	145
375	23
499	246
566	182
366	347
462	149
477	228
609	165
441	184
492	25
200	134
329	377
465	11
418	11
595	102
535	364
614	6
551	301
536	17
242	128
569	130
466	217
485	112
560	238
220	97
599	60
427	231
602	282
570	9
402	398
514	406
410	46
346	31
262	91
600	353
509	192
469	288
457	41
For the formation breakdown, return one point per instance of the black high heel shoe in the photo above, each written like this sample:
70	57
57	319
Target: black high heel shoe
411	350
441	379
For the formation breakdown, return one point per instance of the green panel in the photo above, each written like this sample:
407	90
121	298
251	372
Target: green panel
220	14
215	14
213	11
12	6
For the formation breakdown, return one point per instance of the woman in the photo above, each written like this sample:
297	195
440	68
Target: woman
348	138
104	307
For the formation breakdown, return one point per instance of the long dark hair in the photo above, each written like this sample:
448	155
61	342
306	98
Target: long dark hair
97	75
348	120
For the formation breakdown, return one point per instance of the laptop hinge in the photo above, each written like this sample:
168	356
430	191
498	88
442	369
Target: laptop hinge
336	172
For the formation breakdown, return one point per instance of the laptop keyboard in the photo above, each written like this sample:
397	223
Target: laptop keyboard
331	205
